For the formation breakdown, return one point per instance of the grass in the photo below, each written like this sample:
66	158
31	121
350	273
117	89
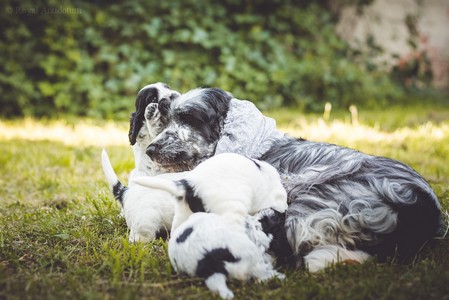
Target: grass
61	235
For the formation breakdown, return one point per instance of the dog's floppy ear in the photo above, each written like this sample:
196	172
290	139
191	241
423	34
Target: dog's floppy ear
132	134
144	97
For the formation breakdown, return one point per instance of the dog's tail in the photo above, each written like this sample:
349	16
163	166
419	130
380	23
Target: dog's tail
117	188
173	187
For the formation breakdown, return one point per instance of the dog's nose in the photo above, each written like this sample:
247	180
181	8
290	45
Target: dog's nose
152	149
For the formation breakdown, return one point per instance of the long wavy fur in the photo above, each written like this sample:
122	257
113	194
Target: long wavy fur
339	196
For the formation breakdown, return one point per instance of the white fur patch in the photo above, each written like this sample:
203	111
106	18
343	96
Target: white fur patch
207	236
325	256
230	185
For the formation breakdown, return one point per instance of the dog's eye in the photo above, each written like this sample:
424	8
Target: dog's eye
190	121
154	99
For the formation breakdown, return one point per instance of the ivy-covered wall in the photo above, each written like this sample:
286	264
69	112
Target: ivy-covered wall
91	57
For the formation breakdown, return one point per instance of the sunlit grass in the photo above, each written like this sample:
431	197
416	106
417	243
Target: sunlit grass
81	133
343	128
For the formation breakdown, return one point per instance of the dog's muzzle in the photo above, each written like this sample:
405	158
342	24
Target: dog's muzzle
177	161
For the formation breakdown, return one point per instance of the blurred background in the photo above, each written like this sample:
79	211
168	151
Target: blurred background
90	58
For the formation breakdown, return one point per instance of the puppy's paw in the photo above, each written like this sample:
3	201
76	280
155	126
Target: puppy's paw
279	276
151	112
140	238
226	294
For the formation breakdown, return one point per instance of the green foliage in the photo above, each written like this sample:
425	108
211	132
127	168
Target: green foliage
91	58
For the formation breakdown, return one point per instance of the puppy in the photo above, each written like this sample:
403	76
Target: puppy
149	119
226	184
207	246
148	212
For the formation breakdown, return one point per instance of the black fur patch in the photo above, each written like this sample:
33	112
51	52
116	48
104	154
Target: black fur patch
183	236
164	106
118	190
214	262
162	234
416	223
206	117
195	203
279	246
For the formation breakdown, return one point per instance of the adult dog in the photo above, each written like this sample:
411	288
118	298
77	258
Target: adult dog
340	200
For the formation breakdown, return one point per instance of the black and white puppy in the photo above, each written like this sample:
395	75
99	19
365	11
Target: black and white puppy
227	184
149	119
208	246
340	200
148	212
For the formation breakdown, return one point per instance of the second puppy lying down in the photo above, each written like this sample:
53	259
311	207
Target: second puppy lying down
148	212
226	184
206	245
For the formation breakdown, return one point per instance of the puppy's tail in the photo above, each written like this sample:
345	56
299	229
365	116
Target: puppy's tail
170	186
117	188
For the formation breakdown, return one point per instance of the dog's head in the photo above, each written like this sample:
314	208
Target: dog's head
195	121
157	94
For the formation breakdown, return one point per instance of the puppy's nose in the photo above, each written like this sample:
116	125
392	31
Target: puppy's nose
152	149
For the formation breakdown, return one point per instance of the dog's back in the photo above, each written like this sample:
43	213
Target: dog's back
206	245
375	204
230	177
226	184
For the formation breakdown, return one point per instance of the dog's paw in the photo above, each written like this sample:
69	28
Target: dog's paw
280	276
217	284
140	238
151	111
226	294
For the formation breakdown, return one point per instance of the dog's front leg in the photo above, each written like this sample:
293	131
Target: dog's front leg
217	284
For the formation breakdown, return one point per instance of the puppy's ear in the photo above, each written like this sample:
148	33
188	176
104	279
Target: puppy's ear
144	97
133	132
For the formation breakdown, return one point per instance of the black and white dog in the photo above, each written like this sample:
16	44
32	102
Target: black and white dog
208	246
341	201
149	119
148	212
228	184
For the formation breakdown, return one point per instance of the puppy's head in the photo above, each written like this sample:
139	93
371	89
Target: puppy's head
195	123
158	93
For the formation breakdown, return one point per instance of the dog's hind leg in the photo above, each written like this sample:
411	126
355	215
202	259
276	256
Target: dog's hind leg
325	256
217	284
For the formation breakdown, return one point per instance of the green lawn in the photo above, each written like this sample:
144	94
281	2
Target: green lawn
61	235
